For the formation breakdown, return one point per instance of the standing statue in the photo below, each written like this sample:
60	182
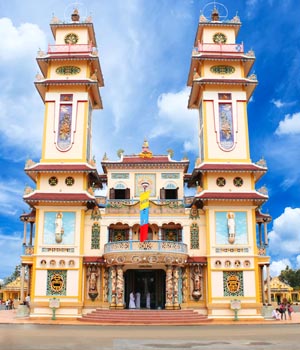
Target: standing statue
92	282
59	230
196	277
231	227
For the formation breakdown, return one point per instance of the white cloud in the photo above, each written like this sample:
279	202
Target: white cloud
11	249
11	201
277	266
175	119
17	42
285	236
278	103
290	125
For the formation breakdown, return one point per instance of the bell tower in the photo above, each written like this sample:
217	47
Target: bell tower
221	86
66	175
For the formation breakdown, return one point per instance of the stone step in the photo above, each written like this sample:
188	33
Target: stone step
179	317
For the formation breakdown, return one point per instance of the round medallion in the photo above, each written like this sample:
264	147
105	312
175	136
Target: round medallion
53	181
219	38
238	181
69	181
221	182
71	38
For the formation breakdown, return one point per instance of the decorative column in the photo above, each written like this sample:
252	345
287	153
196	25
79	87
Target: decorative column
105	284
268	285
184	285
176	305
25	232
262	284
113	283
31	233
266	233
169	288
120	288
22	284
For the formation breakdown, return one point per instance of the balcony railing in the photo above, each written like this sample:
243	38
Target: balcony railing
78	48
227	48
153	246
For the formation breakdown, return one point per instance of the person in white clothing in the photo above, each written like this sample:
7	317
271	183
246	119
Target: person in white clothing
131	301
138	300
148	305
276	314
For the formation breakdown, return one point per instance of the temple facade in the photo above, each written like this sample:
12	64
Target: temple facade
205	251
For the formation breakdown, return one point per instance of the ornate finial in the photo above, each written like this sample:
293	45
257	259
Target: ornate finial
185	157
75	15
105	156
215	10
120	152
170	152
215	15
146	153
262	162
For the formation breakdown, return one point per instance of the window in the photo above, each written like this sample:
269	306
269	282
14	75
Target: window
117	193
167	193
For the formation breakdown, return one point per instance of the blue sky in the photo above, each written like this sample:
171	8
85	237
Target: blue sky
145	49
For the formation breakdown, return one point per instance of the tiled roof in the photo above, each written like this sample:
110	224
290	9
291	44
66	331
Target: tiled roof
58	197
232	196
231	167
61	168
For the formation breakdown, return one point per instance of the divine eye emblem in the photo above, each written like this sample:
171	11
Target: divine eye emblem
219	38
71	38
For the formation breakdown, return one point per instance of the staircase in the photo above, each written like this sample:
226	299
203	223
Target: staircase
141	317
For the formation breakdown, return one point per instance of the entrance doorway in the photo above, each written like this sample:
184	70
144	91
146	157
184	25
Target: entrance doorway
146	281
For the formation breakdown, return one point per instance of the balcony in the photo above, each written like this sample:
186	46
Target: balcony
69	49
28	249
220	48
146	254
131	206
153	246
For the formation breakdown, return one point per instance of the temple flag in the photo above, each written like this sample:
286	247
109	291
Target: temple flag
143	233
144	215
144	200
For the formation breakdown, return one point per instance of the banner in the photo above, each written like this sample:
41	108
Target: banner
144	200
144	215
144	233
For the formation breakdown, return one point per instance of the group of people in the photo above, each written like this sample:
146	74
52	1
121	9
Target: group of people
135	300
280	312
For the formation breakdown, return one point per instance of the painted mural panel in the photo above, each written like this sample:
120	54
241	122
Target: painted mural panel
59	227
226	125
145	181
231	227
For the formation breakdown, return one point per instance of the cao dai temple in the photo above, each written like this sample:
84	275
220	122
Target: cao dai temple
205	252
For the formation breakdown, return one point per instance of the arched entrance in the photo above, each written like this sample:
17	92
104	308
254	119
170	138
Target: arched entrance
144	281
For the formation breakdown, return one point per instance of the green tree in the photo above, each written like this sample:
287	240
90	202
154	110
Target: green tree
290	277
14	275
